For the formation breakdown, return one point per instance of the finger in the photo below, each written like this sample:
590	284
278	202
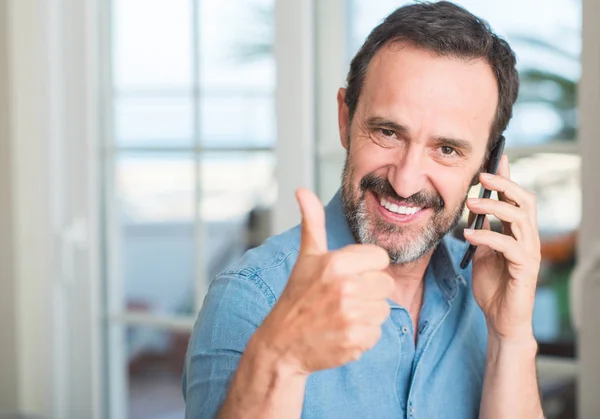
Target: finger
516	217
350	262
375	285
509	191
366	312
504	244
360	258
313	239
361	338
504	171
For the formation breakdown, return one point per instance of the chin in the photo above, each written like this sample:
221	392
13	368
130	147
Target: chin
405	245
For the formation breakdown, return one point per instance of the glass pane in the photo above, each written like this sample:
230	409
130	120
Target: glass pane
155	364
156	231
237	73
547	48
154	122
237	193
241	58
244	120
555	179
152	44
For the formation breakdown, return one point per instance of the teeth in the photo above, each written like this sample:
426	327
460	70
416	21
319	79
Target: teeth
398	209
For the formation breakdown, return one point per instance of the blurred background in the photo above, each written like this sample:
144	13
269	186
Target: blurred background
147	144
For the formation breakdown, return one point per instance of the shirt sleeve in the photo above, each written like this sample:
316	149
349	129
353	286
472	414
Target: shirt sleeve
235	306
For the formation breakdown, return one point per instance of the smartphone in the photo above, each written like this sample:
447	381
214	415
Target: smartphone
491	167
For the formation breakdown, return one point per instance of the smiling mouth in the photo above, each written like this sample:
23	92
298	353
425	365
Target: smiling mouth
398	209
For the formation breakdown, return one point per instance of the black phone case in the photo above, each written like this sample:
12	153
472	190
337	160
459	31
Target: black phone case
491	167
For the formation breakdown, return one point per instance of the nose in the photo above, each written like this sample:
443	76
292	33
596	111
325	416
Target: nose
408	175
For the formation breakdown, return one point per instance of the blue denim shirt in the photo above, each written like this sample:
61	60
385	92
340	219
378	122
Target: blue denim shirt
439	377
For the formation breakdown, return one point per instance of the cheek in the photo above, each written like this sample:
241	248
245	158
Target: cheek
369	158
452	184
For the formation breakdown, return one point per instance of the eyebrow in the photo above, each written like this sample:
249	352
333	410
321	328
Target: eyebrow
376	121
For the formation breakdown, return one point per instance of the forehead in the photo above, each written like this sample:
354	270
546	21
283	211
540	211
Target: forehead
420	89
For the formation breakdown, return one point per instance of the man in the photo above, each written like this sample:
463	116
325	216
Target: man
362	310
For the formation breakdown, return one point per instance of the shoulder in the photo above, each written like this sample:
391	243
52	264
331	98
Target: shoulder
239	298
269	265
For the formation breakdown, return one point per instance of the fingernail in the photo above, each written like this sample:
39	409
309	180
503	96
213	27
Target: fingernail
487	176
468	231
474	201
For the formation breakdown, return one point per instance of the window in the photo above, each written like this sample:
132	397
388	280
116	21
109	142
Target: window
189	178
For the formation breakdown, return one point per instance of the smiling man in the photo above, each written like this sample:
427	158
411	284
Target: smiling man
362	311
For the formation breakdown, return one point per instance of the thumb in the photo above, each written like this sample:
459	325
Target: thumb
313	239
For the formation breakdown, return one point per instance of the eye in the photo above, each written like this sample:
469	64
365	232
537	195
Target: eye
447	150
387	132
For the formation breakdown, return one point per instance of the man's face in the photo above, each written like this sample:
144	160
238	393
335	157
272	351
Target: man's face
417	139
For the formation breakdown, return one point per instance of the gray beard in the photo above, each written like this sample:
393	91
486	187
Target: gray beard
364	228
424	240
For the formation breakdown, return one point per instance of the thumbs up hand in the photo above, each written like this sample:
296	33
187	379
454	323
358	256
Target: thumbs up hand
334	304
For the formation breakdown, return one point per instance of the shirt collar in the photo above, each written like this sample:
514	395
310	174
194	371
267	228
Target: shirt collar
442	264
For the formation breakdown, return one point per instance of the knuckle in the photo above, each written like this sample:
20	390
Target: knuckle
346	312
343	289
522	216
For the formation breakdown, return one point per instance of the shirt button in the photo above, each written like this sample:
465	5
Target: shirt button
404	330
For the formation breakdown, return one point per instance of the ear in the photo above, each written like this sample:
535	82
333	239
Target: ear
343	117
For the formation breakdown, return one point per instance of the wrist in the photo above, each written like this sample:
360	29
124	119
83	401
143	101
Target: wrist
521	335
522	344
273	357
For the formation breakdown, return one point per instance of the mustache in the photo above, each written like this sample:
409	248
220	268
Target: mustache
384	188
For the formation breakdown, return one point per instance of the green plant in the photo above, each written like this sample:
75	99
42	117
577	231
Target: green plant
545	86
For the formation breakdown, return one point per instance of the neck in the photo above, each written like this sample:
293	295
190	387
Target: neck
409	280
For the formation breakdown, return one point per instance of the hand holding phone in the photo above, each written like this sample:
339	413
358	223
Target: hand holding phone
491	167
